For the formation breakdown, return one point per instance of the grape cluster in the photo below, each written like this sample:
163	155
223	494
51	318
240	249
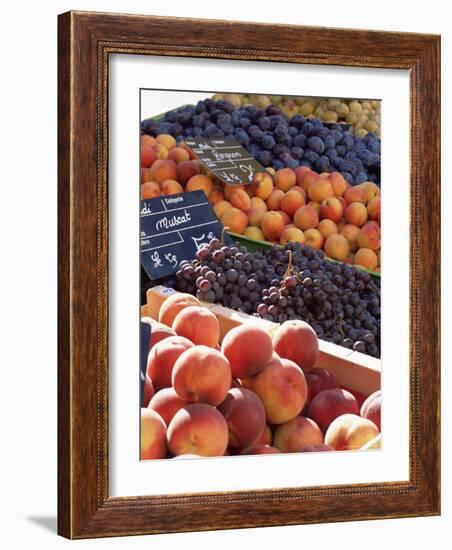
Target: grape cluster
340	302
276	140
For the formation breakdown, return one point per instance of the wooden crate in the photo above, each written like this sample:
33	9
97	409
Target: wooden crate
353	370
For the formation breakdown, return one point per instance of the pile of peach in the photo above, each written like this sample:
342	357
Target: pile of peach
254	394
320	210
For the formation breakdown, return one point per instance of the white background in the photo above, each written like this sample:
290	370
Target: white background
28	272
128	476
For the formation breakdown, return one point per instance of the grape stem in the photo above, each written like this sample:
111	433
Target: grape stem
222	235
289	266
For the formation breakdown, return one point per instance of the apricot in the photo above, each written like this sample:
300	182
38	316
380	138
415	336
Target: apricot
374	209
296	434
245	416
302	192
320	189
166	403
306	178
262	185
356	214
254	233
248	348
229	190
166	140
200	182
260	450
314	205
285	218
186	170
292	235
150	190
198	429
147	156
162	357
148	391
159	332
234	219
164	170
350	232
152	435
272	225
371	191
339	183
171	187
371	408
327	228
329	404
306	217
297	341
241	200
216	196
221	207
314	238
199	325
161	151
337	247
365	257
274	199
369	236
331	209
175	303
282	388
178	154
350	432
285	178
291	201
257	209
318	380
354	194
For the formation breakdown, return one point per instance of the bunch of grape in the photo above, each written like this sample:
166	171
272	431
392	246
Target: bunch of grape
276	140
340	302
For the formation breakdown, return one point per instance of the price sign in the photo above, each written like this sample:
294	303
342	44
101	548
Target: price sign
225	158
173	228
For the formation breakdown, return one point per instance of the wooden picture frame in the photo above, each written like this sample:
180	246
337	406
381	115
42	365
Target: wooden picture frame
85	42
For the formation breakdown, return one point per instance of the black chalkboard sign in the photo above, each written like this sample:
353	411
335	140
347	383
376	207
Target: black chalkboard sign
226	158
145	334
173	228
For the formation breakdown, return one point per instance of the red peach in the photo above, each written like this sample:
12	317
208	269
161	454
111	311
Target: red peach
318	380
356	214
186	170
314	239
260	450
282	389
162	357
371	408
297	341
166	140
164	170
199	325
365	257
150	190
354	194
272	225
296	434
373	209
320	190
153	435
292	235
178	154
274	199
198	429
369	236
248	348
285	178
316	448
350	432
171	187
200	183
245	415
329	404
350	232
339	183
202	374
337	247
241	200
175	303
166	403
147	156
262	185
148	391
327	228
234	219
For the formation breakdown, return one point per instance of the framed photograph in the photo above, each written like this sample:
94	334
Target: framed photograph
249	259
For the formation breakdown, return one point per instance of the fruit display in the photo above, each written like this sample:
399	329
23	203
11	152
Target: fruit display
271	137
252	393
363	116
293	283
320	210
